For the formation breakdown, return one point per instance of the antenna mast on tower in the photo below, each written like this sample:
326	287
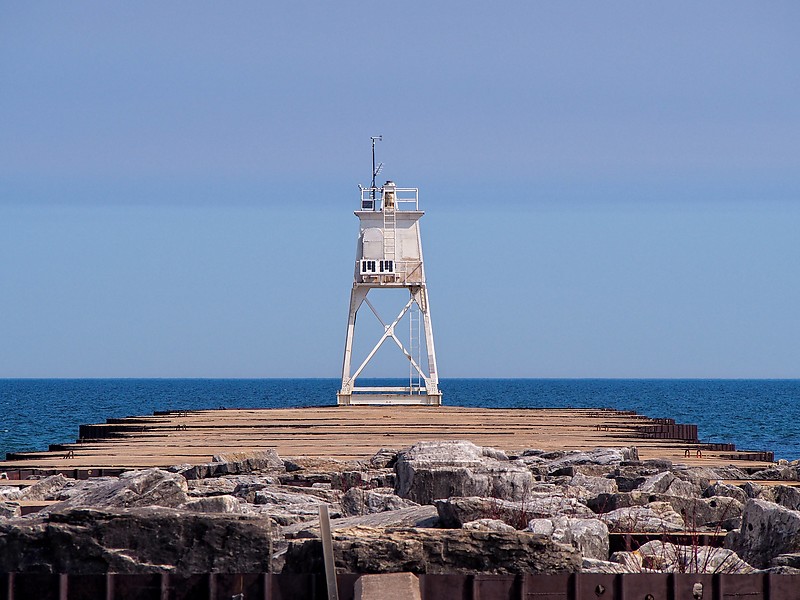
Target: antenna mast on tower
375	169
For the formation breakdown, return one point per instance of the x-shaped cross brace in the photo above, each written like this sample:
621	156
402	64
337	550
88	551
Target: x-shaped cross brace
389	333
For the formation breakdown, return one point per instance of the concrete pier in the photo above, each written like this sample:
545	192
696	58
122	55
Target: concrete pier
350	433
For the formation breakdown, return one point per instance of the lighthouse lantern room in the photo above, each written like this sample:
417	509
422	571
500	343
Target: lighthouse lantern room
389	256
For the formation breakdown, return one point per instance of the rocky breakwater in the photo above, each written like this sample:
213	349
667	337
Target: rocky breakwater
435	507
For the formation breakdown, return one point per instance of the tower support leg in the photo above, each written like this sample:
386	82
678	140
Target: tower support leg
432	381
357	297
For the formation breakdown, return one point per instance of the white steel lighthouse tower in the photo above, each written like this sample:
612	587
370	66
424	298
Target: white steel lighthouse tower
389	256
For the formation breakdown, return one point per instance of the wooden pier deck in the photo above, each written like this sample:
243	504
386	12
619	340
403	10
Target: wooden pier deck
349	433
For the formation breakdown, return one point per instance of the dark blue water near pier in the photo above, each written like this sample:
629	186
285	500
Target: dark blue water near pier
753	414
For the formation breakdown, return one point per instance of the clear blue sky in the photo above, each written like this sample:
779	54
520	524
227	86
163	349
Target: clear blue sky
612	189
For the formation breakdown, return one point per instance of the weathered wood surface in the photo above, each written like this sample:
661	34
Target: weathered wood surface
350	433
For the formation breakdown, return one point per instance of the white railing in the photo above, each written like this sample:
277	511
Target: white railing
404	199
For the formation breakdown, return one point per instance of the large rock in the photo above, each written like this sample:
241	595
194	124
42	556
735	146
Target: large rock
233	463
587	486
414	516
82	486
358	501
725	489
665	557
609	457
214	504
588	536
630	476
722	511
247	490
9	509
656	517
216	486
717	511
669	484
151	487
591	565
139	540
786	496
252	460
384	458
488	525
379	550
287	505
267	493
363	478
434	470
767	531
44	489
752	489
704	475
454	512
605	503
786	560
779	473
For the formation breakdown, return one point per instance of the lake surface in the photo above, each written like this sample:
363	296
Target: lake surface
754	414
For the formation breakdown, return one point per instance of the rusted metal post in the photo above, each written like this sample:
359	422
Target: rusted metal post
327	552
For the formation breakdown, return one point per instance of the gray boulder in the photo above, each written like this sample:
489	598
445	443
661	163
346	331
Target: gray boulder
140	540
380	550
252	460
454	512
233	463
151	487
287	505
246	491
588	536
44	489
752	489
599	456
656	517
214	504
768	530
786	560
358	501
630	476
786	496
780	473
703	475
216	486
383	458
363	478
591	565
605	503
587	486
725	489
669	484
488	525
434	470
781	570
717	511
414	516
665	557
9	510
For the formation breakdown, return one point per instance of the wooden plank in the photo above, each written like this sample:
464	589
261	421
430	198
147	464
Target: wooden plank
350	433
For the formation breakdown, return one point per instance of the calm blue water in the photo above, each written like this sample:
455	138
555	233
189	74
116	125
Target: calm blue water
753	414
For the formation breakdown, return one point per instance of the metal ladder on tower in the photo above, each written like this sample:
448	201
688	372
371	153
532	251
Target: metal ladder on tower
390	237
414	349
